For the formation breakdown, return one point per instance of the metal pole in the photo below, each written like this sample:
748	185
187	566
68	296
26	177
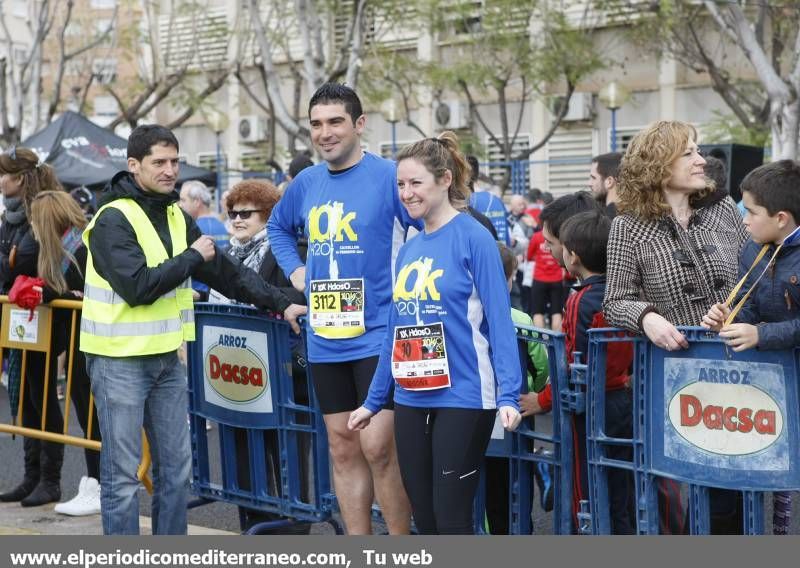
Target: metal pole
613	130
219	172
394	139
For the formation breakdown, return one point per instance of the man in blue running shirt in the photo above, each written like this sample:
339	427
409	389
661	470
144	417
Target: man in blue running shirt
348	208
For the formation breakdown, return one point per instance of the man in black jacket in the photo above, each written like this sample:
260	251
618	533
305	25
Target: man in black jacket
136	315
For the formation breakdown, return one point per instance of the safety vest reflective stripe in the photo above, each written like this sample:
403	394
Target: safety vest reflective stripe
130	329
110	326
108	296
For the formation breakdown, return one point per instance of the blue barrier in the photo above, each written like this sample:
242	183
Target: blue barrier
705	416
240	377
519	449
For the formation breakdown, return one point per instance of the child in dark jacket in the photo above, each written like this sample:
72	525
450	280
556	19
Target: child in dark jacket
584	238
770	316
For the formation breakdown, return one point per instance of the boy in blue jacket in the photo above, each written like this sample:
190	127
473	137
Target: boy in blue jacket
770	318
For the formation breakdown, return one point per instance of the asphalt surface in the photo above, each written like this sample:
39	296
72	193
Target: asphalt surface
212	517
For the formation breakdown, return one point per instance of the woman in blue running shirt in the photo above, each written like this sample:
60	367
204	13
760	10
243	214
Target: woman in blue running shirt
450	347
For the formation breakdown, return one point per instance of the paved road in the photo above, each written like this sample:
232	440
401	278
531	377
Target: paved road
214	516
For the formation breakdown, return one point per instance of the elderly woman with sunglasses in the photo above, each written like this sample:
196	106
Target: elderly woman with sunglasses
249	205
673	251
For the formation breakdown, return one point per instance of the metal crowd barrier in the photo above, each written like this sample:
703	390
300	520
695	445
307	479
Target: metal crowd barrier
31	331
519	449
705	416
272	444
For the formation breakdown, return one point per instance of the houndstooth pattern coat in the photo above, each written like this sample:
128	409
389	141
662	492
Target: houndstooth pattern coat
679	273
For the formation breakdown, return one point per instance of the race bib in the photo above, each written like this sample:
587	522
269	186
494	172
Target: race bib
419	357
336	308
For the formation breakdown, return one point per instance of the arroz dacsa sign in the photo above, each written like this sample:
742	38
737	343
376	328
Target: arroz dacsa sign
725	413
236	369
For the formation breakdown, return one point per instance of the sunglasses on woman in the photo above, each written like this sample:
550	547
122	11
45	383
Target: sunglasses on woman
242	213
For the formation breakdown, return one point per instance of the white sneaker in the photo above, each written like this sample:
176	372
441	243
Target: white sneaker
86	502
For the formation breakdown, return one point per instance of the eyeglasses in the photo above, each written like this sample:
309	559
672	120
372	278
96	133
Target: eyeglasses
242	213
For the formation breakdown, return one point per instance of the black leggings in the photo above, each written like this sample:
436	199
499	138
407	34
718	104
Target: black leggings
441	452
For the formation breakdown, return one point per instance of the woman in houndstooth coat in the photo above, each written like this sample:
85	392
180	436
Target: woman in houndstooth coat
673	252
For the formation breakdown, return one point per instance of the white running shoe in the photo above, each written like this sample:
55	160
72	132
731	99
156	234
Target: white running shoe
86	502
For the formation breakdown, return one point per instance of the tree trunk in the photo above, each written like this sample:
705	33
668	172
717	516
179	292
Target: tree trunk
785	130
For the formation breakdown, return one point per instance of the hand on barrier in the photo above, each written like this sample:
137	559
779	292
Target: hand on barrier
298	279
529	404
662	333
359	418
293	312
509	417
715	317
205	246
740	336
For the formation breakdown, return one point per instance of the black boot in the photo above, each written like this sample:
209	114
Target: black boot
32	449
49	488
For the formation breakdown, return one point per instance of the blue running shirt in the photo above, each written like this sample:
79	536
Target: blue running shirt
355	224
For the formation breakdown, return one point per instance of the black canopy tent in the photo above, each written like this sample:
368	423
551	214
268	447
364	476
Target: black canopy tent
83	153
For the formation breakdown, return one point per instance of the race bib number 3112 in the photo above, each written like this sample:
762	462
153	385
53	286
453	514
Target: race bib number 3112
336	308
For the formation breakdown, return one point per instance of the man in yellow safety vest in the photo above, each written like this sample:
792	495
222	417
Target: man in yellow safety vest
137	311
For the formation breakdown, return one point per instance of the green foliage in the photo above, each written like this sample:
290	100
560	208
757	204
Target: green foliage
725	128
506	51
508	40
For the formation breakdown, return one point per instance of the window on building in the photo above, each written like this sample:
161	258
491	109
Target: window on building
199	38
344	15
208	160
105	70
385	148
569	155
519	177
254	161
105	106
20	54
624	136
19	8
100	27
103	4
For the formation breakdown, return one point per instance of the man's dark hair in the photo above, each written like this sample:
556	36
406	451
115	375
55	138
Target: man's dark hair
145	136
586	234
534	195
335	93
715	170
554	215
547	198
608	164
775	187
475	169
509	260
300	162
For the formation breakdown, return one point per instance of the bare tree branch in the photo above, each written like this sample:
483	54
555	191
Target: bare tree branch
212	87
553	125
282	115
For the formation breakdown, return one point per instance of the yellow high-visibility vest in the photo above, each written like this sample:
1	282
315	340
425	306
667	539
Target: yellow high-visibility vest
111	327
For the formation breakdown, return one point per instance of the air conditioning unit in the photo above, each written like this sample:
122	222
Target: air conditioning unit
253	128
452	115
580	107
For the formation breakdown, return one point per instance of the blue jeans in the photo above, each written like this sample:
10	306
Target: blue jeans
131	392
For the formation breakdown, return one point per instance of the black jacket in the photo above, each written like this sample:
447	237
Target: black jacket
120	260
272	273
18	237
